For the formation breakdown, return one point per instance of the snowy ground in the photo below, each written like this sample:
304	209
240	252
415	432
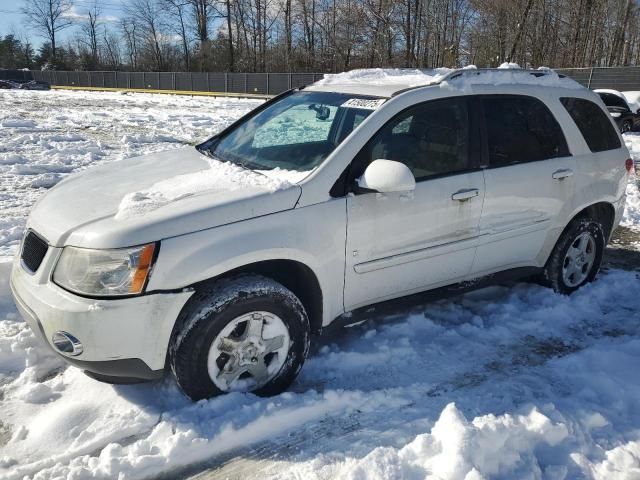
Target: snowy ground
507	382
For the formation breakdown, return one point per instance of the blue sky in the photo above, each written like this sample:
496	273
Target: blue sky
12	21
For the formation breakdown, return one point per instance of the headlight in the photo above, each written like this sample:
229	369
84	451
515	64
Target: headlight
103	273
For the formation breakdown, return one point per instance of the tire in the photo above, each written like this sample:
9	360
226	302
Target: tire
566	271
627	126
214	340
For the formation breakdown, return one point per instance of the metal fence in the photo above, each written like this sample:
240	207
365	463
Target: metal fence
618	78
250	83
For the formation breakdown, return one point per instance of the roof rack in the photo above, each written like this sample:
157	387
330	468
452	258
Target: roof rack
468	72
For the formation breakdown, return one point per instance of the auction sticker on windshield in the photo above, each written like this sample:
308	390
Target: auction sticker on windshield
364	103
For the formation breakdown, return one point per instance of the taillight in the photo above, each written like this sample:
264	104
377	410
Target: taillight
628	164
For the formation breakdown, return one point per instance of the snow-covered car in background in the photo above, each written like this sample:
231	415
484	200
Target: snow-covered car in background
7	84
24	85
219	262
35	85
625	117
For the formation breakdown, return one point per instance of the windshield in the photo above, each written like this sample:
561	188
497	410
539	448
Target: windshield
295	133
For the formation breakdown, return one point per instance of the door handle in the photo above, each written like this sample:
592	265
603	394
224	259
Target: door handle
466	194
562	173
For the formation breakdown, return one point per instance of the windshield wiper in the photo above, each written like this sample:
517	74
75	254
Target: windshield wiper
208	151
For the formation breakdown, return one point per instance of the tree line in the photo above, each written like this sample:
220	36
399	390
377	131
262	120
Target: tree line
324	35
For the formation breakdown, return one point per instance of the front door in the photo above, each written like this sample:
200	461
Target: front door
401	243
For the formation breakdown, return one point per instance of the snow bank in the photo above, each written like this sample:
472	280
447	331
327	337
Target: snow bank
458	449
631	216
220	176
17	123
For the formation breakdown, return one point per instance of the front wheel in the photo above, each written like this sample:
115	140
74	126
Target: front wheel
576	258
627	126
248	334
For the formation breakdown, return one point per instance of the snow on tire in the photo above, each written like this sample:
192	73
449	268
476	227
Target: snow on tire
245	333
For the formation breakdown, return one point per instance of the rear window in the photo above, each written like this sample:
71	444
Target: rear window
593	123
611	100
521	129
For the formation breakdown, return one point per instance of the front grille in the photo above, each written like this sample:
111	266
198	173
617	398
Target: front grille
33	251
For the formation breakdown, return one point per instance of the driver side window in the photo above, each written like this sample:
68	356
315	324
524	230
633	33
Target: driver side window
432	139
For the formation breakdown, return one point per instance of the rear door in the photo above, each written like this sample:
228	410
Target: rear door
528	179
400	243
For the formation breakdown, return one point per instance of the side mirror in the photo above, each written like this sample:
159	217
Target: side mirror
387	176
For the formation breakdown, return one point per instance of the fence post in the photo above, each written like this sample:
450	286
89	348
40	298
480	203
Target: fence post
268	75
226	82
246	76
590	77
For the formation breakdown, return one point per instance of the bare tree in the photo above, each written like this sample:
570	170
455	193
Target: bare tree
89	28
178	12
48	17
149	16
130	34
111	46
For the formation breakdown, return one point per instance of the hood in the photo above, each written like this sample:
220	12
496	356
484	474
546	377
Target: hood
157	196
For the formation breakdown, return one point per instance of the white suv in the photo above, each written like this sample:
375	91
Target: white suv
218	262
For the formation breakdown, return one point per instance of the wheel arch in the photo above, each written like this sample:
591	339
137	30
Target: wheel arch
292	274
603	212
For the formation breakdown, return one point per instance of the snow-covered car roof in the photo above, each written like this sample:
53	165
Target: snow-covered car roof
386	82
612	92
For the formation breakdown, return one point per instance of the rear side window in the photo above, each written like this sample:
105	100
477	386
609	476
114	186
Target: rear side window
521	129
593	123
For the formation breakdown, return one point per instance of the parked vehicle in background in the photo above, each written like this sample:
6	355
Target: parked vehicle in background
626	118
24	85
35	85
633	99
218	262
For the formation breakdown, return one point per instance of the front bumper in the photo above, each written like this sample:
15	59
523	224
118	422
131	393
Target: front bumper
122	339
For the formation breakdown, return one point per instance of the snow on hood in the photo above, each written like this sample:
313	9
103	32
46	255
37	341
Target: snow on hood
220	176
156	196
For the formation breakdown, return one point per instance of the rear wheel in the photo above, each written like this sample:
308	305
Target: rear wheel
576	258
248	334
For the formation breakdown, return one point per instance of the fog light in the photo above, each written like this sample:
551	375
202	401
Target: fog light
67	344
